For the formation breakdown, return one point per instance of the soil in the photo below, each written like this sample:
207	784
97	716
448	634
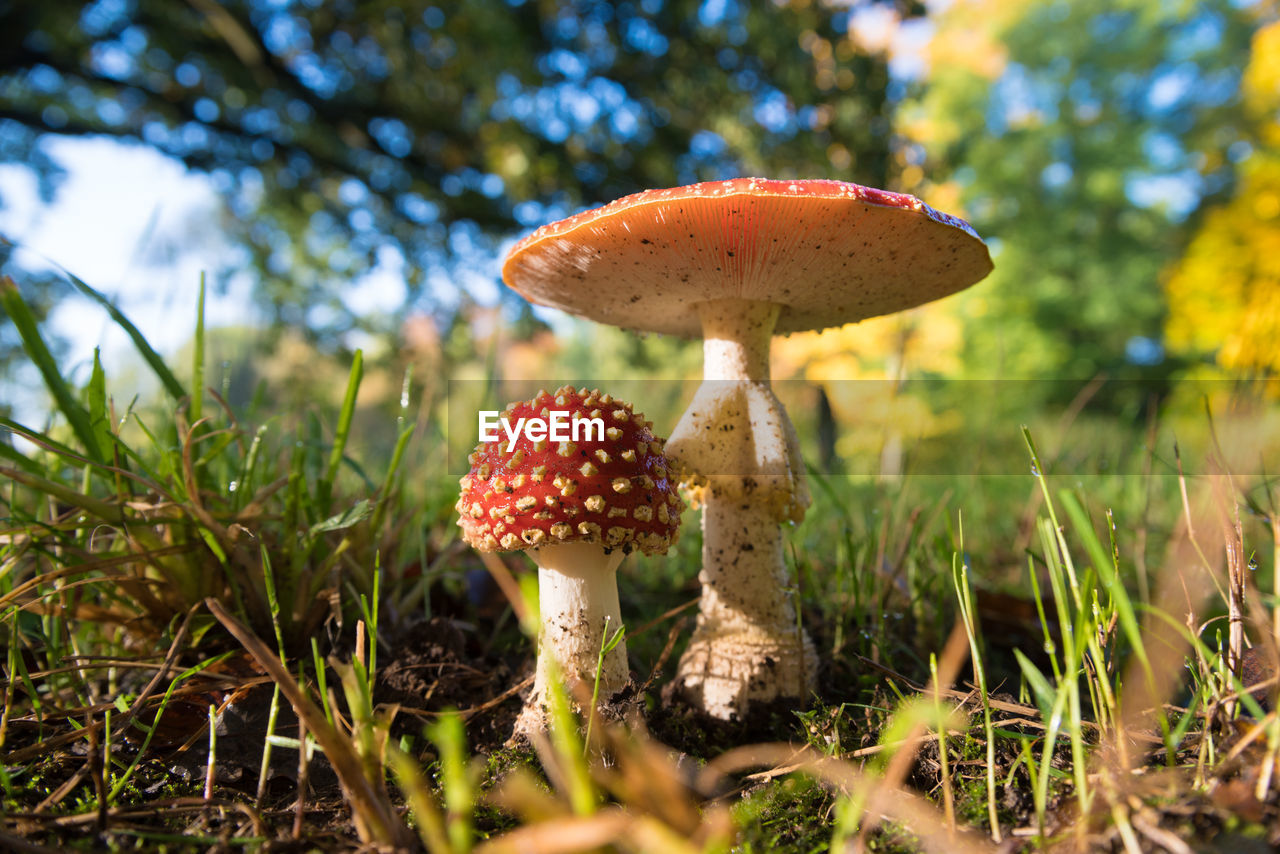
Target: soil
465	662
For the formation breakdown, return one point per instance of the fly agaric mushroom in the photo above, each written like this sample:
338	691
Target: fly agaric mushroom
736	262
578	507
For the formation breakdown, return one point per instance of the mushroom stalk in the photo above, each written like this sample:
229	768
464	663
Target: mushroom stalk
736	336
737	445
748	645
578	608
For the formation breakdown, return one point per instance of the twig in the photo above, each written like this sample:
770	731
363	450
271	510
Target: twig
300	808
666	653
467	714
1161	837
665	616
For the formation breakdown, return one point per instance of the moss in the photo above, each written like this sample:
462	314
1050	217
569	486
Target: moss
791	814
502	761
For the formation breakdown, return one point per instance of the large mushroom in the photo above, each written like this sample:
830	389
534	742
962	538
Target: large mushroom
736	262
578	506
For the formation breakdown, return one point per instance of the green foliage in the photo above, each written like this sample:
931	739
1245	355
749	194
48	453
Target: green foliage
1079	135
341	130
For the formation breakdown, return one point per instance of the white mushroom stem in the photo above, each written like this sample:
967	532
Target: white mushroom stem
577	606
737	444
736	339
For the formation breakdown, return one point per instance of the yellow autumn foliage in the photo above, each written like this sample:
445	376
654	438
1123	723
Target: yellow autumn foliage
968	36
1224	293
857	366
1261	81
926	339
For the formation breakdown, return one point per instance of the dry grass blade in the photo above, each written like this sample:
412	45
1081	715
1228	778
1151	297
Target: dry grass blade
1184	585
257	504
953	655
170	659
375	818
507	583
1237	575
967	698
673	634
171	806
43	747
644	776
121	721
563	835
648	834
105	566
521	793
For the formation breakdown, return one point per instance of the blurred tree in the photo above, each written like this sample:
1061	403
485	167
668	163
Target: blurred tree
346	134
1078	136
858	372
1224	293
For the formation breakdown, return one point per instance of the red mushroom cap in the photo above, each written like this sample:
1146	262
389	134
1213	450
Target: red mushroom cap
616	490
828	252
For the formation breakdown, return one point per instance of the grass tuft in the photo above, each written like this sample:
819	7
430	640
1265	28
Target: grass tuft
1108	681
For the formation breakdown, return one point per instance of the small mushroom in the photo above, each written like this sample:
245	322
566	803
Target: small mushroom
736	262
577	507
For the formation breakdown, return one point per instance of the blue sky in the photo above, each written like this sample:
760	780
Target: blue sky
133	224
139	227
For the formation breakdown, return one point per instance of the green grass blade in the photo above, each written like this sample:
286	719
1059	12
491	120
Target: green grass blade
51	445
459	791
150	730
25	322
427	818
273	599
1040	687
608	643
343	431
322	679
1110	577
13	455
152	358
388	482
99	419
104	511
353	515
568	746
248	472
197	360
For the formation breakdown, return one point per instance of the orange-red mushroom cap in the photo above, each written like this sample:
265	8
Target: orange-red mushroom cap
828	252
614	488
